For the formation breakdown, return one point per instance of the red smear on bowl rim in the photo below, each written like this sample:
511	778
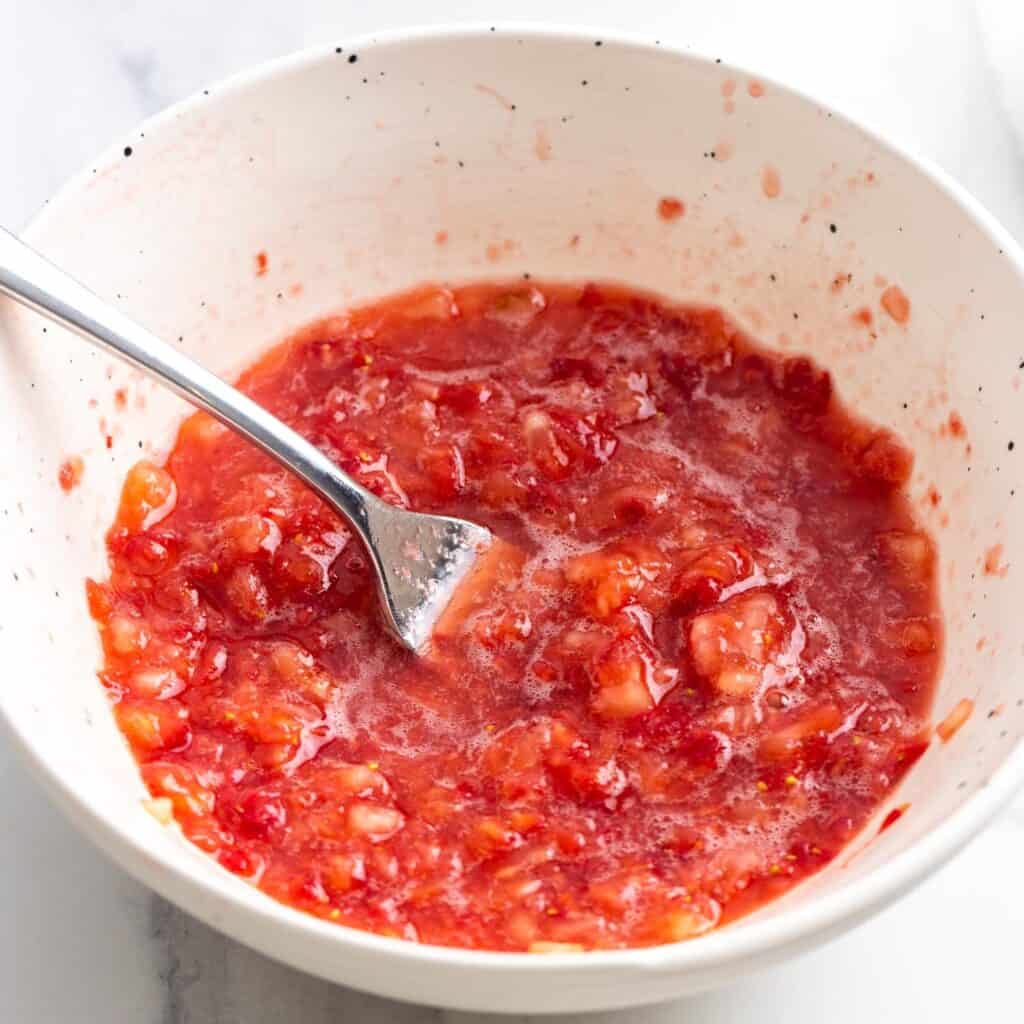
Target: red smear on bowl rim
892	817
895	302
69	475
993	564
771	183
955	720
670	208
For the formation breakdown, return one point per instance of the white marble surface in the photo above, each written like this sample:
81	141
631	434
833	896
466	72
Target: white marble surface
79	941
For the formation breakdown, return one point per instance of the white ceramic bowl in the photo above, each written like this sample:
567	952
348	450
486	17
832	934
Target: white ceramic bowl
545	153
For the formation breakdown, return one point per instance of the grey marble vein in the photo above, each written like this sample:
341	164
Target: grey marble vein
209	979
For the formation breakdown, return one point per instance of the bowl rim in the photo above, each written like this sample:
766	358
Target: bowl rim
200	896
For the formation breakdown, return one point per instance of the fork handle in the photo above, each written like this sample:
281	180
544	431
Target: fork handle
31	279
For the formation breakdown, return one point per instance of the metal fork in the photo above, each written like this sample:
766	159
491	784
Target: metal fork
419	559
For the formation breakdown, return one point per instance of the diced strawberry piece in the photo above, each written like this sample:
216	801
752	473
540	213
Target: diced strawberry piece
100	600
541	946
247	593
561	443
611	581
298	669
516	308
595	444
714	569
731	646
305	561
202	429
262	815
344	872
156	683
681	923
620	893
160	809
629	397
784	738
629	679
624	700
614	576
153	726
174	594
491	837
542	442
372	821
444	468
179	784
249	535
348	780
432	304
274	755
502	628
272	724
147	554
125	636
148	496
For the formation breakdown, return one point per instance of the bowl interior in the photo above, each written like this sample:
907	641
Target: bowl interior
493	155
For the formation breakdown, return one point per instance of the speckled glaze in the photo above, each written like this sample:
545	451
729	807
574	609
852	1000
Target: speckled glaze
365	168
